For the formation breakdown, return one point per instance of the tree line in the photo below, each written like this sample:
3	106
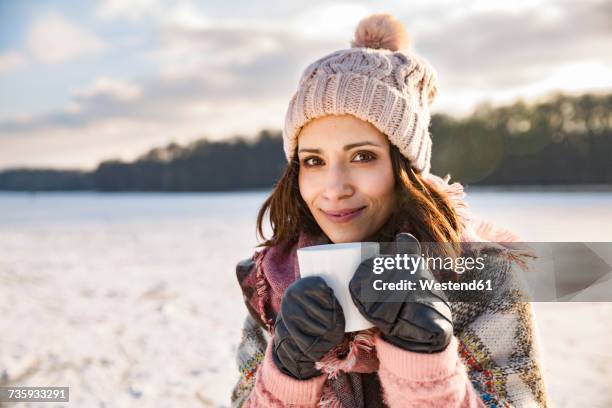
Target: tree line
565	140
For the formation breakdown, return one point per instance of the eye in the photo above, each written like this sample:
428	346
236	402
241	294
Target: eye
311	161
364	156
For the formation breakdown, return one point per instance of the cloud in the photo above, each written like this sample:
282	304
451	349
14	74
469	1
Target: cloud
239	55
262	78
10	61
184	13
216	95
474	48
84	146
234	59
329	20
108	88
496	49
53	38
134	11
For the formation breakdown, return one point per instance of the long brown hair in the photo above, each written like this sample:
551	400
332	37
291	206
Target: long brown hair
428	212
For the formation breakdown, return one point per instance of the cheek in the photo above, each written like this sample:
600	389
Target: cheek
379	185
307	187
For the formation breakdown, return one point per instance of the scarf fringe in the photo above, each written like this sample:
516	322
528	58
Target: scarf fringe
456	195
329	399
263	290
476	230
331	364
362	343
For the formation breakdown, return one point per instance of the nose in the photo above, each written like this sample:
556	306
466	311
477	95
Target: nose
338	184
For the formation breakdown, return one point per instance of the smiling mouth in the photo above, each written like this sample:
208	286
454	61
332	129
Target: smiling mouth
343	215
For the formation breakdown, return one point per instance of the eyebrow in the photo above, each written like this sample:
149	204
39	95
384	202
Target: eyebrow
345	148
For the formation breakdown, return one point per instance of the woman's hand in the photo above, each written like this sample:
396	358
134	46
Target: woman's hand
309	324
416	320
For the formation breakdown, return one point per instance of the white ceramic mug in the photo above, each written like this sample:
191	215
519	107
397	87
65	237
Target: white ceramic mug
336	264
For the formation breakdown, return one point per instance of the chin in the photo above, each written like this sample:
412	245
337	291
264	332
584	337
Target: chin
343	237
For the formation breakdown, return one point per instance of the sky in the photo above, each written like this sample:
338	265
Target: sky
84	81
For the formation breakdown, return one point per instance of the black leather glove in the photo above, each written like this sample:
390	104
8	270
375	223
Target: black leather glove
309	324
418	320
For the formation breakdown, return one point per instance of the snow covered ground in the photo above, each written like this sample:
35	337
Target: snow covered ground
131	300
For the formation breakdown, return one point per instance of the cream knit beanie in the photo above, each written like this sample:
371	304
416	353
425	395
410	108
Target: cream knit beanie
378	80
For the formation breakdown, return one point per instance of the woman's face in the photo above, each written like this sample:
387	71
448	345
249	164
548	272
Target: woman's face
346	177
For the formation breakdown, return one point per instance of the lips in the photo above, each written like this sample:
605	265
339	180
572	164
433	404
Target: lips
343	215
345	211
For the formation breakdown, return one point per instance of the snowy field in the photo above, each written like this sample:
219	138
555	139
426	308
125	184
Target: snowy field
131	299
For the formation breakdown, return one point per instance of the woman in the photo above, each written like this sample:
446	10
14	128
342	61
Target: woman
356	138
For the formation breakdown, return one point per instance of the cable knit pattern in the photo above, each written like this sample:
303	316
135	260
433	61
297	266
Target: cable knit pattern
276	390
424	380
392	90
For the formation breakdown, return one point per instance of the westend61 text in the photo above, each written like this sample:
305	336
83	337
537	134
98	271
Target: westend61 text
475	285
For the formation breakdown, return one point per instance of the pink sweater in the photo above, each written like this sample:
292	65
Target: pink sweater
408	380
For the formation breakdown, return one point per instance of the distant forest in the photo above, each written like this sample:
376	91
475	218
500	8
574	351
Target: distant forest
565	140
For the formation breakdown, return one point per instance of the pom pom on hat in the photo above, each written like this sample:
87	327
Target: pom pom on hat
381	31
